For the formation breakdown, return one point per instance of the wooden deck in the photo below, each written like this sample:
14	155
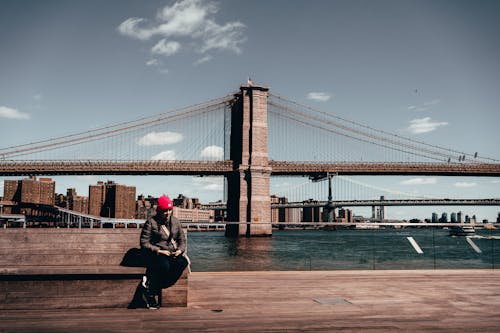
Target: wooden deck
346	301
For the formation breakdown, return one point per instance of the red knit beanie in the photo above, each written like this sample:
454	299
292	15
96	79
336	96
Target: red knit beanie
164	203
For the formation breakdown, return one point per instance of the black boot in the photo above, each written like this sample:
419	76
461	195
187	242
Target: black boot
150	295
139	300
151	302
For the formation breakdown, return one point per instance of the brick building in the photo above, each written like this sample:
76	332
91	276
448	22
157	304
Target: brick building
76	202
29	191
193	215
96	198
187	203
12	190
112	200
344	216
144	207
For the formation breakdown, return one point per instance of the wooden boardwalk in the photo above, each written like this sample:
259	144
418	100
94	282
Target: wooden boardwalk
328	301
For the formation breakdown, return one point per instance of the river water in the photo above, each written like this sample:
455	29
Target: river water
344	249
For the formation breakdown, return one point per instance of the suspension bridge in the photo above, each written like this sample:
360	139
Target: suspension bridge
247	137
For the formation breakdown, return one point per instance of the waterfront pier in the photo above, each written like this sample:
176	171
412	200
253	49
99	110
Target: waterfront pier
301	301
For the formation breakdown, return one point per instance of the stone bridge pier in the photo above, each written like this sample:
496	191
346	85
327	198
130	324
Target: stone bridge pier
248	184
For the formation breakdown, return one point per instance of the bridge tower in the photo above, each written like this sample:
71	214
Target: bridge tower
248	184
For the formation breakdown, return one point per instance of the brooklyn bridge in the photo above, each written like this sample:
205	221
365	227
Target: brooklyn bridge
247	137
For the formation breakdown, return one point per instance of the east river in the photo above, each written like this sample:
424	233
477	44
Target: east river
344	249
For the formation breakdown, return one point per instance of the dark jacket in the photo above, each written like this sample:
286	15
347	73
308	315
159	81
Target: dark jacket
154	239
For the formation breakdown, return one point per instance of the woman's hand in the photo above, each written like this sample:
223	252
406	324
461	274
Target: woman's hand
165	252
177	253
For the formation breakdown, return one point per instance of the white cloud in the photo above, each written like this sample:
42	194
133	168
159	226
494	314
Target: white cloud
213	187
465	184
419	181
215	152
193	21
168	155
153	62
424	125
227	37
203	60
166	48
160	138
425	106
209	183
130	28
318	96
185	17
9	113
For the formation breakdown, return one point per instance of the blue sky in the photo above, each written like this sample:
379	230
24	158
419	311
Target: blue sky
424	69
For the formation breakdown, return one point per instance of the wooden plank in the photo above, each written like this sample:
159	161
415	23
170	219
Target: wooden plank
379	301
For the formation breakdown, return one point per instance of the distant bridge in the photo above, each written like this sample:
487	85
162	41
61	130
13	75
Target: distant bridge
404	202
363	203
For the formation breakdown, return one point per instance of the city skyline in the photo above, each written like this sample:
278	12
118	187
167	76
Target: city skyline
97	203
428	70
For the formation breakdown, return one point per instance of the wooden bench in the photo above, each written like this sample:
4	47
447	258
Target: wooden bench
73	268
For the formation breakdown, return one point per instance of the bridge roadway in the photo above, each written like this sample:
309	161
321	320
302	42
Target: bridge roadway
214	168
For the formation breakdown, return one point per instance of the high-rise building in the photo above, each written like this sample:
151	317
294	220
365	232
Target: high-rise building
283	213
97	195
76	202
311	214
120	201
434	218
47	191
344	215
453	217
382	210
460	217
444	218
112	200
30	190
12	190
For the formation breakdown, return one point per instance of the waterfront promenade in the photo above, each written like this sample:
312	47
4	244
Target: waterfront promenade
301	301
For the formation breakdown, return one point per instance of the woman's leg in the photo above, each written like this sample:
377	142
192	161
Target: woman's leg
177	266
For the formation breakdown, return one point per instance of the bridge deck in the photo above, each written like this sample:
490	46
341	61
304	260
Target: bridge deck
350	301
278	168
